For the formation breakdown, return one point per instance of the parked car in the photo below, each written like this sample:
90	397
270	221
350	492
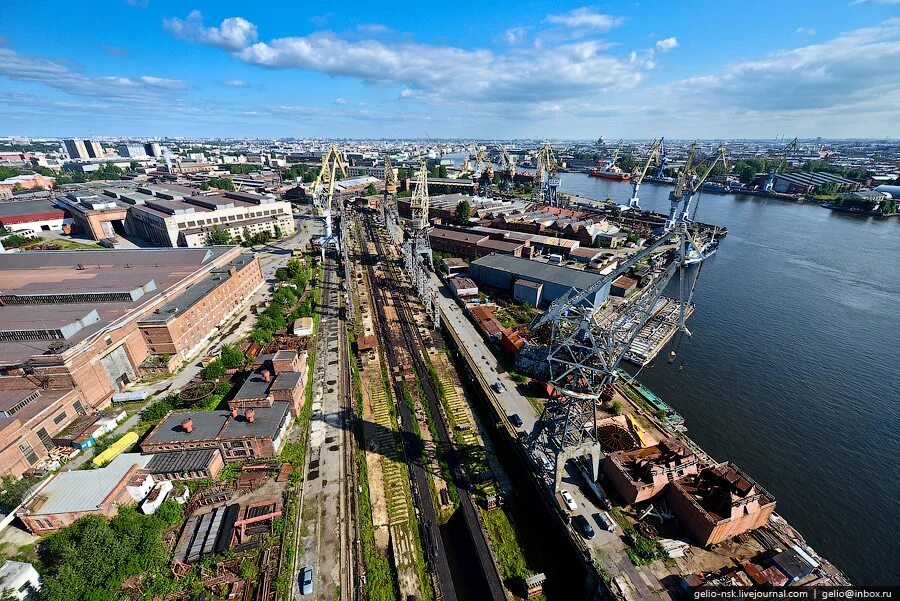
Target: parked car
583	526
305	578
545	463
498	386
604	521
515	420
567	498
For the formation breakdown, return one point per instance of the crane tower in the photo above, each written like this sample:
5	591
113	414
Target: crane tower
546	180
333	164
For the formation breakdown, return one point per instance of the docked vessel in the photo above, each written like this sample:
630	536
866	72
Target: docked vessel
701	249
607	169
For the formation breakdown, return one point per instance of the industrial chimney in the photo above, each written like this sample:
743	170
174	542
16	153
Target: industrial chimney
267	375
187	425
234	412
249	415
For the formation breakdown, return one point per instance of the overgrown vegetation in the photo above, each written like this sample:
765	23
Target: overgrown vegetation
92	558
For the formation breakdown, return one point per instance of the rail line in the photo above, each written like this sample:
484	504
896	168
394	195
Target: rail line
415	344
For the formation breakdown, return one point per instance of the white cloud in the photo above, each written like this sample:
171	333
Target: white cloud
340	101
805	31
161	82
21	67
233	33
855	66
667	44
515	35
883	2
585	18
234	83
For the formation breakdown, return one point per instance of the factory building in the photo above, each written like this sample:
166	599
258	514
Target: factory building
642	474
470	245
99	217
67	496
280	376
134	150
257	433
508	274
180	216
76	326
31	217
801	182
718	503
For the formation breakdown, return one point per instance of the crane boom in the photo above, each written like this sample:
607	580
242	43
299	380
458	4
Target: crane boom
638	176
333	164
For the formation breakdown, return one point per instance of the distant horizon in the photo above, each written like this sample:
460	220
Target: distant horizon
523	70
122	138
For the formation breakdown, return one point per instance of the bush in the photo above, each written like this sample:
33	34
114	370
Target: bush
616	407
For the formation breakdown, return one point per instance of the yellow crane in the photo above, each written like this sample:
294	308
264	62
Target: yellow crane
333	164
546	181
507	171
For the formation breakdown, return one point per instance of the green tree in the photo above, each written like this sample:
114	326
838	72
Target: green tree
231	357
278	232
7	172
463	212
222	183
204	186
744	171
214	370
371	190
442	171
627	163
218	236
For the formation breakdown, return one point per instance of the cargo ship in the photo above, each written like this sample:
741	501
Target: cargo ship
607	169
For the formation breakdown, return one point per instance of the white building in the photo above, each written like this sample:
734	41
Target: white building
19	579
179	216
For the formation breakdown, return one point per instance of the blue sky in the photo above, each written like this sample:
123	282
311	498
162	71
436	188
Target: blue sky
461	69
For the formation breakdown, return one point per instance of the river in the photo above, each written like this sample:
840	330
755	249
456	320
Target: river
793	371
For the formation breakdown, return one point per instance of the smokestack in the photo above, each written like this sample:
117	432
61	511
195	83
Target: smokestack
267	375
249	415
233	412
187	425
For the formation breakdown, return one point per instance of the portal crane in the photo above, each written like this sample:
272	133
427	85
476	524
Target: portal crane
484	175
638	176
770	178
546	181
689	182
507	171
323	192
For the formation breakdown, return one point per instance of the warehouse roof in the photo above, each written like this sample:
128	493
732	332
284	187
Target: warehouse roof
457	235
27	207
538	271
180	461
212	425
85	490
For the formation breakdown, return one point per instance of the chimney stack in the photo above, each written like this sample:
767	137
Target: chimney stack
249	415
187	425
234	412
267	375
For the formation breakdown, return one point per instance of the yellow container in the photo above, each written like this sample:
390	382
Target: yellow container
127	440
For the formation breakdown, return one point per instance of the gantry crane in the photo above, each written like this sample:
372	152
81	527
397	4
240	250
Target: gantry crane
323	192
770	178
587	345
507	171
546	180
638	176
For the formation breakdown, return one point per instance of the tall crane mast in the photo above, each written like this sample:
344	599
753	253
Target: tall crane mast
770	178
663	159
484	175
688	183
546	181
507	171
333	164
638	176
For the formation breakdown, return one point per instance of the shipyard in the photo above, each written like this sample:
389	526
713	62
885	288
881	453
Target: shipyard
557	303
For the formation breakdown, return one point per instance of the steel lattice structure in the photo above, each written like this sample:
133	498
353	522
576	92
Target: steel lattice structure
333	164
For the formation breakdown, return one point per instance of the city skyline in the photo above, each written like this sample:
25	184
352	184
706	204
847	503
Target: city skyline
571	71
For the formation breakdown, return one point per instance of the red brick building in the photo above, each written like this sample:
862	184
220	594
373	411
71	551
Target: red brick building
75	327
719	503
643	473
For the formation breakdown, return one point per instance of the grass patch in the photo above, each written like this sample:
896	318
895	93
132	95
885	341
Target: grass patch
507	547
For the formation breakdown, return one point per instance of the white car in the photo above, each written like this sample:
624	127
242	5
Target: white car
570	502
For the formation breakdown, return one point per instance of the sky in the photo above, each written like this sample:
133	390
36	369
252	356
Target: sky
484	70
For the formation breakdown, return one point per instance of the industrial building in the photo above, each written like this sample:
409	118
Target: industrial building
258	433
67	496
26	181
174	215
801	182
471	244
718	503
642	474
31	217
534	282
280	376
76	326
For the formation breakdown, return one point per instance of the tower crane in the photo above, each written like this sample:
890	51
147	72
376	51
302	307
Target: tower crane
507	171
663	159
546	180
418	224
689	182
638	176
323	192
770	178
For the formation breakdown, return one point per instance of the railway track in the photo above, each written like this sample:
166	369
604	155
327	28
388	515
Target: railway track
412	340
